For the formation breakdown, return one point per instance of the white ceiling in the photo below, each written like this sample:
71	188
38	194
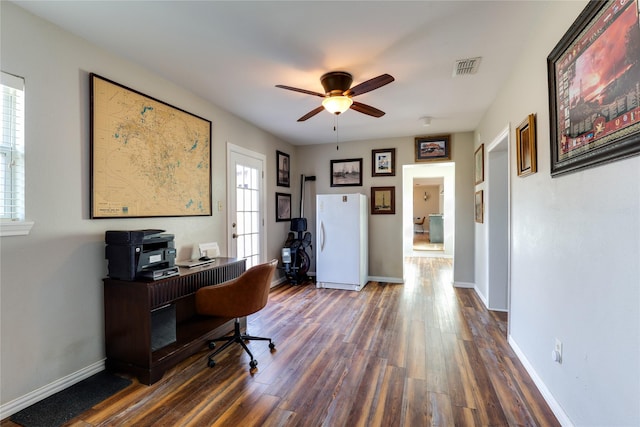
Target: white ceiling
233	53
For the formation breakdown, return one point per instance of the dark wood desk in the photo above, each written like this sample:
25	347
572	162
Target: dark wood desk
152	326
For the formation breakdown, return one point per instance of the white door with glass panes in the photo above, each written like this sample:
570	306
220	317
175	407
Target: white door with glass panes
246	204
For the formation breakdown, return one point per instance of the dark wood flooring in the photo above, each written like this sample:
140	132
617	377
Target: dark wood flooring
418	354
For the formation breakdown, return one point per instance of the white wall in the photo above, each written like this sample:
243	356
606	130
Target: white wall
463	262
497	221
50	281
575	254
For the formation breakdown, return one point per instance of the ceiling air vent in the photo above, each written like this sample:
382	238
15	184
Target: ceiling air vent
464	67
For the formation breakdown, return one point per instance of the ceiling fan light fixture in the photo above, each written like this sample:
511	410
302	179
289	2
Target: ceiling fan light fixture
337	104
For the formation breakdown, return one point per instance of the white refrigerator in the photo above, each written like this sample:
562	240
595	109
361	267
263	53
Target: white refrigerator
342	257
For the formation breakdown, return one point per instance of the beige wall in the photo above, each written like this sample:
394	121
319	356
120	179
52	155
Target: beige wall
386	232
51	316
421	208
50	281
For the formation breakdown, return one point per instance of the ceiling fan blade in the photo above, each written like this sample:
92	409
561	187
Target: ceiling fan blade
295	89
312	113
369	85
366	109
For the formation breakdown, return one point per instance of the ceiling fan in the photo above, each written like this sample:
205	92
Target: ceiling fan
338	94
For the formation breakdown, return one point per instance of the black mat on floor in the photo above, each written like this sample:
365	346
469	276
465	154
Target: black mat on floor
59	408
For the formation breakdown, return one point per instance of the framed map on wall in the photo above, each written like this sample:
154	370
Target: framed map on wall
148	158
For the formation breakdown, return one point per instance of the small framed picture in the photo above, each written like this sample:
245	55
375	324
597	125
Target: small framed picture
383	200
383	162
283	168
433	148
526	146
346	173
479	205
479	160
283	207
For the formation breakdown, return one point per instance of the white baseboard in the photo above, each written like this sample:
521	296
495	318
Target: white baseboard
370	278
466	285
45	391
278	282
482	297
385	279
557	410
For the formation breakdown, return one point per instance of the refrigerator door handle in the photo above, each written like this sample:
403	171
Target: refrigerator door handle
321	236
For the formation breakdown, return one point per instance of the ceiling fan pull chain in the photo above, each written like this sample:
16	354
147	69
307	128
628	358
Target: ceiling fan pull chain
335	129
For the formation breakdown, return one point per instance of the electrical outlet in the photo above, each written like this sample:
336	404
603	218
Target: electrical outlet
557	352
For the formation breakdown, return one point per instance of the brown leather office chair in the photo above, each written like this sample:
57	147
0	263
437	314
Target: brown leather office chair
240	297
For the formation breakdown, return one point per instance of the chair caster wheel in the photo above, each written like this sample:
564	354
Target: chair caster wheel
272	346
212	345
211	363
253	364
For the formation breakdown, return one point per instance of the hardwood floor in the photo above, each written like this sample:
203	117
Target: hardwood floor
422	242
418	354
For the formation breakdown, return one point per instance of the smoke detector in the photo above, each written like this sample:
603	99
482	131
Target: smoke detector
464	67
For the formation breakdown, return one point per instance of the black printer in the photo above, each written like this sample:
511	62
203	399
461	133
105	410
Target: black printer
140	254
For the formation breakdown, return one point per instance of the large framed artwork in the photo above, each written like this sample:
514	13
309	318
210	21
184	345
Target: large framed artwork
346	173
148	158
594	76
433	148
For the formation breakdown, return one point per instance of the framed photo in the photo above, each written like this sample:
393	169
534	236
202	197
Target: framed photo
526	151
383	200
283	207
383	162
346	173
139	168
595	105
433	148
284	166
479	162
479	206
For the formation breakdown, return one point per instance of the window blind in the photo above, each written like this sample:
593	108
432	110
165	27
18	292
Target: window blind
12	165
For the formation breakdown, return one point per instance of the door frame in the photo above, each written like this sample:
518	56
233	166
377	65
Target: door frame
236	149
